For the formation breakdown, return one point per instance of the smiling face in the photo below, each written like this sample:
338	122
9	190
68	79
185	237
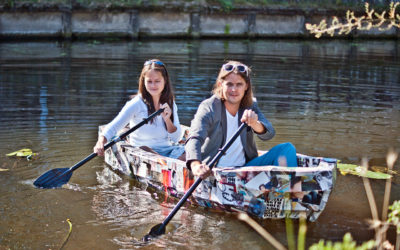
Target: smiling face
233	83
233	87
154	83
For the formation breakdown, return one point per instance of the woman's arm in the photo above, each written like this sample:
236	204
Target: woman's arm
122	119
174	129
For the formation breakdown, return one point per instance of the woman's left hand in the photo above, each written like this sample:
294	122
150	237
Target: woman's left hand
251	118
167	111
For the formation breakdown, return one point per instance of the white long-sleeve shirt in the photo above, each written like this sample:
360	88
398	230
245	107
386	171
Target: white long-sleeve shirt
151	134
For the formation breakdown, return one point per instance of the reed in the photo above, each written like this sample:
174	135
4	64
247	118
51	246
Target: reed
259	229
380	226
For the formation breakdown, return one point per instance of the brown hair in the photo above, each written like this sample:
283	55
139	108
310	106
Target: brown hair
247	100
167	95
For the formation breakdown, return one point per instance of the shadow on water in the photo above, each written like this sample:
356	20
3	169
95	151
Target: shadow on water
338	99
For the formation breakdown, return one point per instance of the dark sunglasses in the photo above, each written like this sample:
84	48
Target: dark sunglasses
240	67
159	63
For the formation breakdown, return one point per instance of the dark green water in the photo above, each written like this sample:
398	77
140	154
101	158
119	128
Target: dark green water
338	99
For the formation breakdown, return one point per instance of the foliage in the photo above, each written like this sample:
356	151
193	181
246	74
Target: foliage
25	152
359	171
394	215
371	19
347	244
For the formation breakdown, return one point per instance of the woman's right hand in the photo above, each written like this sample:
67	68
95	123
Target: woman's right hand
99	147
200	169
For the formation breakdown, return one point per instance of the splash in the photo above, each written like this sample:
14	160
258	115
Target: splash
107	177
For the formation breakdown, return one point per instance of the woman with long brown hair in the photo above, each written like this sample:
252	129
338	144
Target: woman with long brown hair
163	132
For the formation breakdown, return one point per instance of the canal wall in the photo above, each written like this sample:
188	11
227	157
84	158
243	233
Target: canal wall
30	21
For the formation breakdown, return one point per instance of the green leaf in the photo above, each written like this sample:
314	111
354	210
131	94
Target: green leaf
22	153
358	170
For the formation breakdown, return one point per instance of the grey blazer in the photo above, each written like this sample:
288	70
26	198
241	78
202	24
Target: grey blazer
208	132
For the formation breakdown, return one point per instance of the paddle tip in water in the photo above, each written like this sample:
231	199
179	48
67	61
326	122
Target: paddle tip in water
53	178
155	231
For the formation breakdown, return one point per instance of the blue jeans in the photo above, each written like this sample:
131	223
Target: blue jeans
281	155
170	151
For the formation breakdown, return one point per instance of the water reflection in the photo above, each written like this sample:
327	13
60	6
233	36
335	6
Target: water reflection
337	99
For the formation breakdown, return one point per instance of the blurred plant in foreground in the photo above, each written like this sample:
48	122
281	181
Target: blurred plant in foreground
371	19
380	226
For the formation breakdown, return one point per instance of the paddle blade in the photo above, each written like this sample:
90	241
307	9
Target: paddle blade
53	178
155	231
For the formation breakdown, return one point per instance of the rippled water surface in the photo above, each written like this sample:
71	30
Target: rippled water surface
338	99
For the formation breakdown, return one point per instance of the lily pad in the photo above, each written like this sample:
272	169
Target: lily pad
358	170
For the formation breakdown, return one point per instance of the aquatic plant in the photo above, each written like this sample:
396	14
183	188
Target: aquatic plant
347	243
371	19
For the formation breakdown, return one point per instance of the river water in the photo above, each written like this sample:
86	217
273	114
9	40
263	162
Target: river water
338	99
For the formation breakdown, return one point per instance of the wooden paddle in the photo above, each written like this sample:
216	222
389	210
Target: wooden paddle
159	229
59	176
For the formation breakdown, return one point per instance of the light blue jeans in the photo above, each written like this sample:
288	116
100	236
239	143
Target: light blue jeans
281	155
170	151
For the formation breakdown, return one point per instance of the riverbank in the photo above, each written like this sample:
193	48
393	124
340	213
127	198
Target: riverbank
172	19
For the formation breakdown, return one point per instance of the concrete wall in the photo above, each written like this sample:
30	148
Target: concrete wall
133	23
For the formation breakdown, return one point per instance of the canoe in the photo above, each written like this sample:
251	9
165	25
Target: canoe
265	192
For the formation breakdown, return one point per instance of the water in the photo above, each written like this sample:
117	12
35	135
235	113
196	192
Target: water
337	99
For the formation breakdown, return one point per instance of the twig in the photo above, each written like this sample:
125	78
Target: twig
368	190
370	20
301	241
390	160
372	203
275	243
290	233
69	233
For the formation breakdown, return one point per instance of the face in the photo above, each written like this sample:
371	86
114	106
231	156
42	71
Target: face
233	88
154	83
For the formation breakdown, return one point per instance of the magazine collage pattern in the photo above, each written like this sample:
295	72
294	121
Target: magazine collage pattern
264	192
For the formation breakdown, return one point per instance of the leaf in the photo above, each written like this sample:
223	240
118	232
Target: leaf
22	153
3	169
357	170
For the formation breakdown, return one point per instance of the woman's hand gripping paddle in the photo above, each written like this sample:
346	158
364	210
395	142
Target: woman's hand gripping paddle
159	229
59	176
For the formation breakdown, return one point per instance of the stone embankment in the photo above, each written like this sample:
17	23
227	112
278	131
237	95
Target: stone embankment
63	21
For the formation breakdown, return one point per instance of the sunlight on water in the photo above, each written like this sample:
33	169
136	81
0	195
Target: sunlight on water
338	99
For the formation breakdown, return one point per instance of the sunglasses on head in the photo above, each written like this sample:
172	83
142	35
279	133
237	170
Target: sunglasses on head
159	63
239	67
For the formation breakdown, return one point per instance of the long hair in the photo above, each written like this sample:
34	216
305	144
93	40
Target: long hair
167	95
247	99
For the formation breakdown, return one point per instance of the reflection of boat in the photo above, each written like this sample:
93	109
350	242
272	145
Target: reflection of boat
266	192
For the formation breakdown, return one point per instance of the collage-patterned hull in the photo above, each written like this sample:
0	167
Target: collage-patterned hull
265	192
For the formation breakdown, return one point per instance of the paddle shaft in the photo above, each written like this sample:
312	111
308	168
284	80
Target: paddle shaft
115	140
199	180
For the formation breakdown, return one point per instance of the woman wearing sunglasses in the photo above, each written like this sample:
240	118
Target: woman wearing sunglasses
219	117
161	133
